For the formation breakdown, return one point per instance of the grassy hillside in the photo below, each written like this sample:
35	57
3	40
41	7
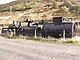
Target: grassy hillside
38	9
24	4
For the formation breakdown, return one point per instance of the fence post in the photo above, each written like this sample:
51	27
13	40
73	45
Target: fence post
10	9
35	34
64	35
72	28
0	30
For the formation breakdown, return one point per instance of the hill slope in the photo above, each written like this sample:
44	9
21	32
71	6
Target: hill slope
38	10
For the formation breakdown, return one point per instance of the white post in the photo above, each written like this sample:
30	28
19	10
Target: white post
10	9
0	30
64	35
35	33
72	28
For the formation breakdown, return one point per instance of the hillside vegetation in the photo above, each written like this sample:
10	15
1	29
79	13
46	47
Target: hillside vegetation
39	9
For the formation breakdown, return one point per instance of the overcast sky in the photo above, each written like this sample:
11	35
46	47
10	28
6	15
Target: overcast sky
5	1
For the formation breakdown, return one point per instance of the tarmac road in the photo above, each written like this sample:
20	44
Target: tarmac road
12	49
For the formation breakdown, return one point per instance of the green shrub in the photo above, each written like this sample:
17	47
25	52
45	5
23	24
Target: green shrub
23	6
54	4
19	7
73	7
64	9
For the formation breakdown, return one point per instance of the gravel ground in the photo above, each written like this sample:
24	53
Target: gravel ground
12	49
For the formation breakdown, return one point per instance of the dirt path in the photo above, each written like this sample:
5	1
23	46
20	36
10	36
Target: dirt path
12	49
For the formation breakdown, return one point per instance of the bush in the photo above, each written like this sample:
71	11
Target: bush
19	7
64	9
23	6
54	5
77	8
73	7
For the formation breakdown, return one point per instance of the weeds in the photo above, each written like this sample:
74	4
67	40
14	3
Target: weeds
45	40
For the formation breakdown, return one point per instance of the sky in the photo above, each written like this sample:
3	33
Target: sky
5	1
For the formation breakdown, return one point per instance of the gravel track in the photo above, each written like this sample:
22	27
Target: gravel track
13	49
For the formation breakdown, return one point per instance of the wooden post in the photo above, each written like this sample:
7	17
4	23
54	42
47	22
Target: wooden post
35	34
64	35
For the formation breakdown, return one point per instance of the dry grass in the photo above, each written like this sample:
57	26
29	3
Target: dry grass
69	41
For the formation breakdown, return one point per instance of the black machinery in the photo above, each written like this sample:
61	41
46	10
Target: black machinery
54	29
57	27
